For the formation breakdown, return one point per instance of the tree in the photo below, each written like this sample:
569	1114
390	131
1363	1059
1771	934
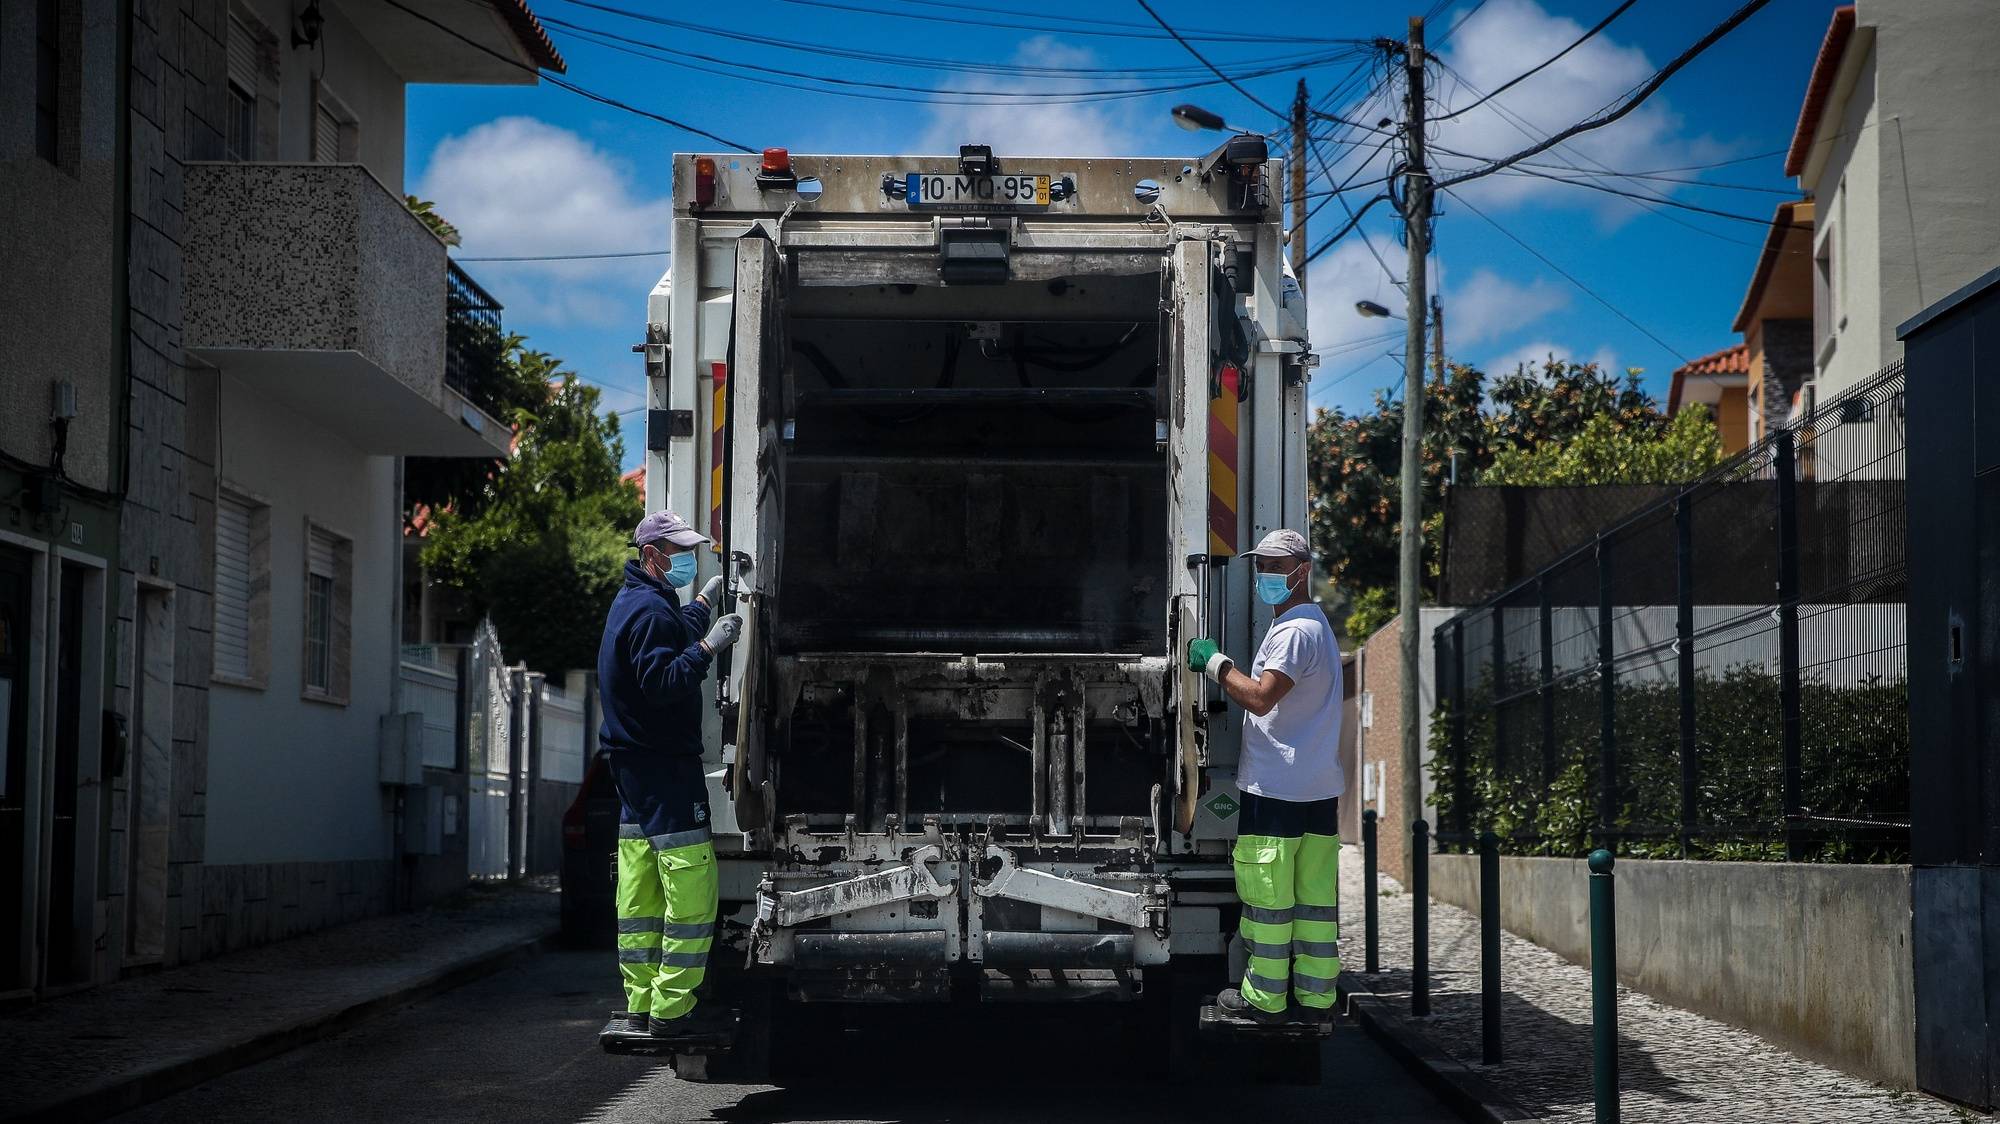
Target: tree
502	377
427	211
1354	460
540	545
1605	454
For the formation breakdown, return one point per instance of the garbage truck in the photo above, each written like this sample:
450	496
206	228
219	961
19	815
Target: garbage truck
978	438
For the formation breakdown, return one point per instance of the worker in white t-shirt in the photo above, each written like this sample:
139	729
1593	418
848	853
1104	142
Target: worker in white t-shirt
1288	840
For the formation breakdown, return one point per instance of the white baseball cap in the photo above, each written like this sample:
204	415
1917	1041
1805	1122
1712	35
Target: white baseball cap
665	525
1281	543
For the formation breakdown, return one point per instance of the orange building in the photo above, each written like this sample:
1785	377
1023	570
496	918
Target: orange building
1720	381
1777	319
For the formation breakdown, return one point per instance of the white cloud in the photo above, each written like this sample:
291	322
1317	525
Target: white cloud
1537	353
1503	38
1489	306
520	186
1531	354
1020	127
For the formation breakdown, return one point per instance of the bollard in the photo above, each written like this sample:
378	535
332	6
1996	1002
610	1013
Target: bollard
1420	918
1603	987
1371	940
1489	948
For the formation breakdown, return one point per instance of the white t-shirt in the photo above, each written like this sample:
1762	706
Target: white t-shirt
1293	753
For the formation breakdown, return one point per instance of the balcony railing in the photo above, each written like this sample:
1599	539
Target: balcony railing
475	346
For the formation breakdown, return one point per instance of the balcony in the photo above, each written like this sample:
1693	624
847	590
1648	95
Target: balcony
315	285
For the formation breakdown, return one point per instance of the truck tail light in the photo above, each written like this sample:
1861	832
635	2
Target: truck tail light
704	181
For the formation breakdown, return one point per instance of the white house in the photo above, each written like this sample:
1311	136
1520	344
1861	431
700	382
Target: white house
1895	145
319	303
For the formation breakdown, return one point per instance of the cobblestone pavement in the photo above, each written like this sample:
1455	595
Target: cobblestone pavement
1674	1066
64	1046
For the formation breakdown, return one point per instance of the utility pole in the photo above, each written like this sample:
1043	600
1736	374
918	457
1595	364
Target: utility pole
1298	170
1437	339
1417	223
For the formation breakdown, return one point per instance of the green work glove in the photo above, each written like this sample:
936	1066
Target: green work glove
1203	656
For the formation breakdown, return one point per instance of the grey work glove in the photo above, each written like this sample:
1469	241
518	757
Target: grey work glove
723	633
709	591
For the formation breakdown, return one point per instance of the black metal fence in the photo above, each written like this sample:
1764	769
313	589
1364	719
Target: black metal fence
1717	675
473	342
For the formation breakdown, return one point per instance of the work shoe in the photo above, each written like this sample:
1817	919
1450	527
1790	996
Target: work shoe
625	1026
705	1022
1232	1005
1310	1016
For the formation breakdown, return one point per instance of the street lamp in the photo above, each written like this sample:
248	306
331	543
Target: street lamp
1195	119
1373	311
1242	155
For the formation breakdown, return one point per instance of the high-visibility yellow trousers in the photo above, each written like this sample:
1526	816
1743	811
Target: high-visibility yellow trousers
666	920
1287	861
667	892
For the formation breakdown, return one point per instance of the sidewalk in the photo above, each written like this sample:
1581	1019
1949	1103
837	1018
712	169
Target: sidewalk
111	1048
1675	1067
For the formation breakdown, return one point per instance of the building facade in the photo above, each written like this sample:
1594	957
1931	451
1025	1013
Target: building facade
1894	147
199	607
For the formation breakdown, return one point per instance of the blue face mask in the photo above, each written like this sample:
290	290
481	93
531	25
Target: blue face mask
680	569
1273	589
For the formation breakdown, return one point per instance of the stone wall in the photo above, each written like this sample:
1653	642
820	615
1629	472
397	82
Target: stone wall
255	903
1815	958
166	527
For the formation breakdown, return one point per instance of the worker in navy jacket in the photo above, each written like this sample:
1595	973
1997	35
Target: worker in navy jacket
650	665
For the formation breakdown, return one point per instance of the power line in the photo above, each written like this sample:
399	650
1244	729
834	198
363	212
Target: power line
1131	31
1365	240
1631	103
684	60
855	54
1569	277
1461	22
1543	65
1352	221
570	257
566	84
1646	201
1521	170
1203	59
1218	36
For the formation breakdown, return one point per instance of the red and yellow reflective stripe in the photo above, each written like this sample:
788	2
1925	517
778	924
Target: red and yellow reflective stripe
718	413
1223	411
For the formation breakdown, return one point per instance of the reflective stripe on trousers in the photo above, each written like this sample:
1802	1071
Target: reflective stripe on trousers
1290	923
666	922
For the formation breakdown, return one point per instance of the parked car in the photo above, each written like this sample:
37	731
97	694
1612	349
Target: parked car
590	859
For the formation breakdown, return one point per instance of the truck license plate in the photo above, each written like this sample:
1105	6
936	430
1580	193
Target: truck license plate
949	190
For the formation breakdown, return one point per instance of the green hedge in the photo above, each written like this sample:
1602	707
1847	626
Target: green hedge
1855	758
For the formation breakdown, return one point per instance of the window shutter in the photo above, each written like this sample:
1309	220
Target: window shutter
326	135
242	57
232	587
319	555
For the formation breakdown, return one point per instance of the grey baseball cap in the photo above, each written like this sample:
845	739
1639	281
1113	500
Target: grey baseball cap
1281	543
666	526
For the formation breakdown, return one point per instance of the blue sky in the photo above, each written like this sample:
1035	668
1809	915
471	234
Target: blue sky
544	171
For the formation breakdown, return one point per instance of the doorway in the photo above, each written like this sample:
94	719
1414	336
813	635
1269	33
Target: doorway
16	689
150	784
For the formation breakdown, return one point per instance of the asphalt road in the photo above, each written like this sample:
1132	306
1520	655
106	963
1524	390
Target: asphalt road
521	1045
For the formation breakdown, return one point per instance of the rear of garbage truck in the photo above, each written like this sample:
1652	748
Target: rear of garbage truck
978	440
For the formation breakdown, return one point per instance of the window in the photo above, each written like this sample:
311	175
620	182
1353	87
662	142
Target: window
328	589
242	588
335	136
1840	255
1823	290
48	80
240	139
